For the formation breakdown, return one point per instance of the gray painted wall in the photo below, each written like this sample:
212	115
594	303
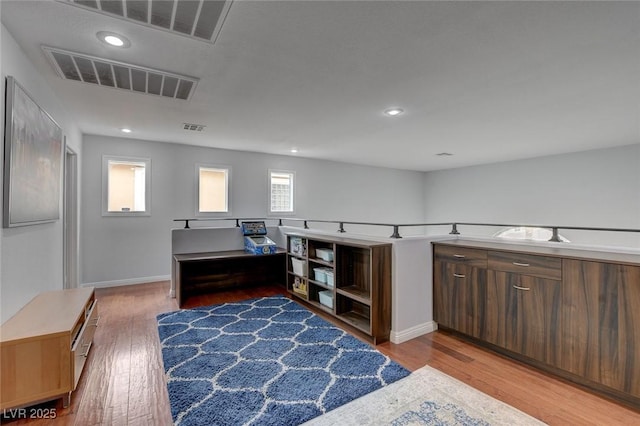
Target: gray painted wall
31	260
133	249
599	188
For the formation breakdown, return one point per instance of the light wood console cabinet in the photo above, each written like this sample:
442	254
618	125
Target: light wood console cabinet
44	347
346	278
571	312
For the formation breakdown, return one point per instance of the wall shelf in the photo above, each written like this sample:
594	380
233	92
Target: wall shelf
356	293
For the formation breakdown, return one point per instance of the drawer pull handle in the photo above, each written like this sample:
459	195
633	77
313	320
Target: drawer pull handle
459	275
521	288
459	256
520	264
86	354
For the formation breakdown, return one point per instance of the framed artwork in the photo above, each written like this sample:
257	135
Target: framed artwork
33	149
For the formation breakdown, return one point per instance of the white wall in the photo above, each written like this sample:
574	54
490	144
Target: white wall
599	188
412	289
31	260
119	250
2	318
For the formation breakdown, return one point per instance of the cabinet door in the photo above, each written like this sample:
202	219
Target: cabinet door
35	369
493	310
601	321
442	294
532	307
456	293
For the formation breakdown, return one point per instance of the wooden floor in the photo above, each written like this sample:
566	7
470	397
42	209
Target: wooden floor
123	383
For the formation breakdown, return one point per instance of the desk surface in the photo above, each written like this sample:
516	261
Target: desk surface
212	255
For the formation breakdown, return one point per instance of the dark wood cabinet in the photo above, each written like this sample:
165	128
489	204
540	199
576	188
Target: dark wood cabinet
526	264
601	323
458	289
346	278
575	313
523	303
530	312
505	299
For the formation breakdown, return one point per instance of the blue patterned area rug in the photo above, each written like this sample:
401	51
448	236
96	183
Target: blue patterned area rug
266	361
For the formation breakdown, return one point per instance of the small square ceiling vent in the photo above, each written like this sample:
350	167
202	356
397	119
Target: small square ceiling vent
193	127
107	73
199	19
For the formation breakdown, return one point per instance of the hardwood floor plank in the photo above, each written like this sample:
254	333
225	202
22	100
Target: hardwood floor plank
124	382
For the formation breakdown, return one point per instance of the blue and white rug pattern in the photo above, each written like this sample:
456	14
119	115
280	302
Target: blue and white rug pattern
266	361
426	397
432	413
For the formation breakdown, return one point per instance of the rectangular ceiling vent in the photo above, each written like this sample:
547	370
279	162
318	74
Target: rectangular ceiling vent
193	127
199	19
120	75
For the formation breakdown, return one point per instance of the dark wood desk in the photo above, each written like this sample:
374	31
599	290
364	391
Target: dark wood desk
198	273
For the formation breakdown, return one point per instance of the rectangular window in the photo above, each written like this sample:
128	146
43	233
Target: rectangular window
126	186
281	191
213	190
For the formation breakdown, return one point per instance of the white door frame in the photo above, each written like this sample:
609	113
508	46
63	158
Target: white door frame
70	219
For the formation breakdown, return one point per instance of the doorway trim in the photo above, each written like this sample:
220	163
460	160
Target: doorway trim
70	221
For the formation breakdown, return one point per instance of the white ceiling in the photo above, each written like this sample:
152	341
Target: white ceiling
486	81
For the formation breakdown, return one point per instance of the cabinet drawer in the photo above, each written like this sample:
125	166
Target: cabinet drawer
463	255
83	342
526	264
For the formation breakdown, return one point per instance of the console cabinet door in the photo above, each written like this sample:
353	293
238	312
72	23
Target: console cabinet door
601	313
457	290
530	307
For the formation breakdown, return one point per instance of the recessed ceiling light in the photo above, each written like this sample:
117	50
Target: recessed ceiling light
444	154
294	150
125	130
392	112
113	39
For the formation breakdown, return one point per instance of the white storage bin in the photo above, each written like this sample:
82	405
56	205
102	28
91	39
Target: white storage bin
324	254
299	267
326	298
320	275
329	276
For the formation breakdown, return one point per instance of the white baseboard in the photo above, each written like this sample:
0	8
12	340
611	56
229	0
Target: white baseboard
413	332
129	281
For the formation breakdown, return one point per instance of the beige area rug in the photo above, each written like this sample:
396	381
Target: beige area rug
426	397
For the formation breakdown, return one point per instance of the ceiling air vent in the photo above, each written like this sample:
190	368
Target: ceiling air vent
193	127
199	19
119	75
